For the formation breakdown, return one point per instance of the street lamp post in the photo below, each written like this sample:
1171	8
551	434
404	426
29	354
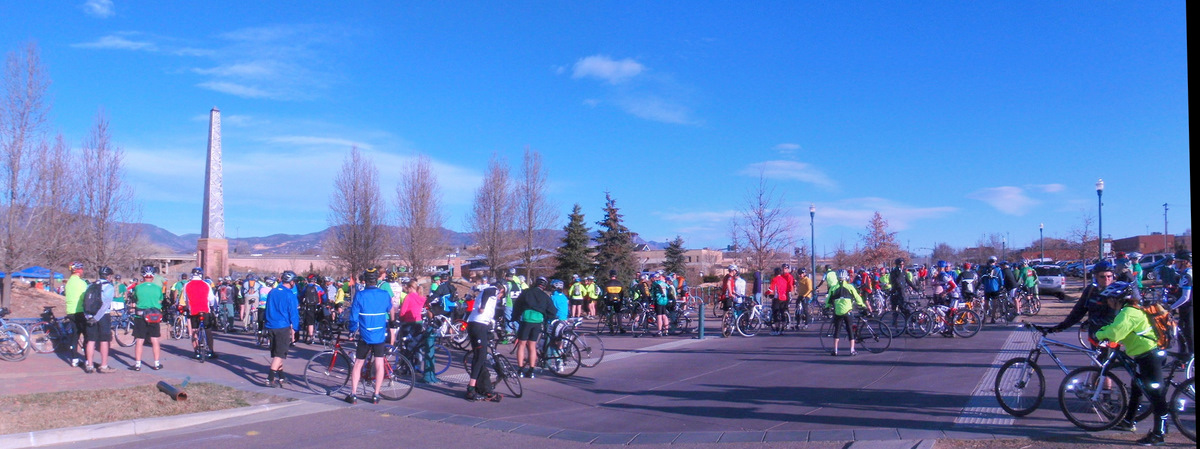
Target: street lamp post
1042	240
812	229
1100	219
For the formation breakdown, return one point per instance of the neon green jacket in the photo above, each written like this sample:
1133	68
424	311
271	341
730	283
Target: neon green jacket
845	293
1131	328
831	281
74	294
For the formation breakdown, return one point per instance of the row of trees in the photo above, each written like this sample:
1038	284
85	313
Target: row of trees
57	203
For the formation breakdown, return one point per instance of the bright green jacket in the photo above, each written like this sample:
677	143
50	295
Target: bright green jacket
74	294
831	280
842	304
1029	277
1131	328
149	295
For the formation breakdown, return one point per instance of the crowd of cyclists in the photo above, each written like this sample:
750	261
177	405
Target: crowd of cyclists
388	309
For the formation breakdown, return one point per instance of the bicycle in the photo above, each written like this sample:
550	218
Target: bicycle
504	371
179	324
868	333
1021	377
122	328
897	320
591	347
439	363
14	339
557	355
810	311
741	319
328	372
1030	303
53	334
200	339
961	322
1095	399
780	321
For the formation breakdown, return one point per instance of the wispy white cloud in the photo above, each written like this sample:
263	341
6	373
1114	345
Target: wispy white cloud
857	213
790	171
99	8
1049	188
656	109
787	148
607	69
705	216
311	141
117	42
236	89
1006	199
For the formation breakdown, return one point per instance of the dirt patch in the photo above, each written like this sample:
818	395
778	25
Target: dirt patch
41	411
28	302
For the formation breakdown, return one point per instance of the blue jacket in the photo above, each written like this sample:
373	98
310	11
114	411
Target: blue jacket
369	314
562	304
282	309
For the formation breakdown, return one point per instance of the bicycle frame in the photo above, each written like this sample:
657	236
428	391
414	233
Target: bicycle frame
1046	344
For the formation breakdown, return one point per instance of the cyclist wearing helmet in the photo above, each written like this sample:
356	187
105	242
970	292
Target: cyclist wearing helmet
73	294
479	330
200	300
991	278
1131	327
968	282
843	299
531	308
614	295
148	296
369	317
282	319
731	287
900	283
1182	301
945	289
591	295
99	326
250	298
1135	262
780	290
1027	278
1092	304
561	303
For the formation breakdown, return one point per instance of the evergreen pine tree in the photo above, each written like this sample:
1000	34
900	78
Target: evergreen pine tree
675	261
614	245
574	256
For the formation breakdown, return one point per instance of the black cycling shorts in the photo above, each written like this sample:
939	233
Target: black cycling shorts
195	319
575	302
364	348
100	331
529	331
660	309
143	329
281	340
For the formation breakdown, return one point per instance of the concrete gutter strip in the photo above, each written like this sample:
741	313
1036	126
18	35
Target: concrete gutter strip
139	426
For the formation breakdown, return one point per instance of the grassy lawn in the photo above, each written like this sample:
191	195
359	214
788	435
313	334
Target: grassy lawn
33	412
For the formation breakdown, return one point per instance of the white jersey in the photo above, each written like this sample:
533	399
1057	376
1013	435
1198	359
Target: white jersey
485	307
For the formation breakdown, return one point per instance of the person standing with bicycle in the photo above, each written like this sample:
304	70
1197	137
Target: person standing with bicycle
1092	304
98	334
369	317
73	294
614	295
804	293
148	318
531	307
200	300
281	321
843	299
1182	301
479	330
1133	330
411	317
780	289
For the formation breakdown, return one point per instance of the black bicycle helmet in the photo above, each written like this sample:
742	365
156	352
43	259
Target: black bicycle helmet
287	276
105	271
1184	255
197	271
370	275
1102	266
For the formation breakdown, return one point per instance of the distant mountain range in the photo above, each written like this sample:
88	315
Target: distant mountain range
168	242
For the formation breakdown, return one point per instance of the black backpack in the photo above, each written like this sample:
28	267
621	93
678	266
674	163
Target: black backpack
93	300
311	296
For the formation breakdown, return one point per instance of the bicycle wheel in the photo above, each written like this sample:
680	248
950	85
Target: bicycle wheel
966	323
727	326
179	328
260	338
591	349
1034	305
399	376
1092	402
825	335
896	322
716	310
468	360
508	374
41	339
919	324
680	325
748	324
201	344
122	332
566	362
1020	386
1183	408
874	335
14	342
327	372
1084	335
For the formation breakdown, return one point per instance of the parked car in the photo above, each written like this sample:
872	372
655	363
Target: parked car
1074	269
1051	281
1154	271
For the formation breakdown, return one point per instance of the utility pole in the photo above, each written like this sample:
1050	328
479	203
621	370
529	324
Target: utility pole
1165	249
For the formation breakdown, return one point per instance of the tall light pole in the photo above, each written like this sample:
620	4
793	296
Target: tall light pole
812	229
1100	219
1042	240
1165	249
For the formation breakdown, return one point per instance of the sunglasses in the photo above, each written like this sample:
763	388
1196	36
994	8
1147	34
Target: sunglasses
1107	276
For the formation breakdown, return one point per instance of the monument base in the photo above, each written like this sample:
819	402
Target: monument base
213	257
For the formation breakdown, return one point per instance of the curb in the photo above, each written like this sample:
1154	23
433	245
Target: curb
139	426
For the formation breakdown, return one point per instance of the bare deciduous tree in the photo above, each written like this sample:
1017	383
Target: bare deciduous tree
762	226
419	213
356	216
492	216
23	116
534	212
1081	237
59	199
106	205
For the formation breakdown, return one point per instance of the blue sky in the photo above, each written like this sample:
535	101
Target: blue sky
953	119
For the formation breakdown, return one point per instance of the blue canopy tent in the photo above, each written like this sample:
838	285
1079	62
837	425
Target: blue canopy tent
34	273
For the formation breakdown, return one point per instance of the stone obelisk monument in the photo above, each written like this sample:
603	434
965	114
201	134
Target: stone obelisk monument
212	248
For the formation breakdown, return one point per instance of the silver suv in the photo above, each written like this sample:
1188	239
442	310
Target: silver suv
1051	281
